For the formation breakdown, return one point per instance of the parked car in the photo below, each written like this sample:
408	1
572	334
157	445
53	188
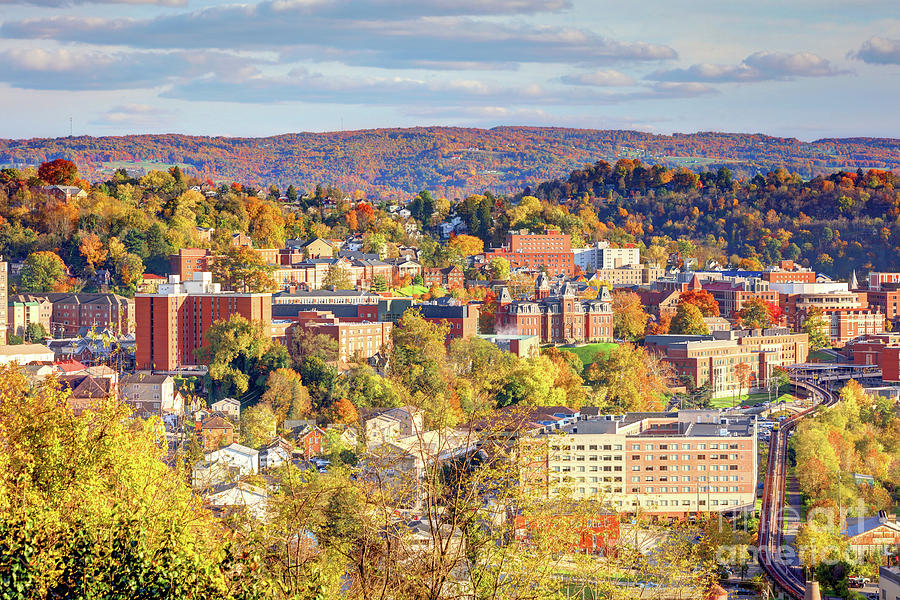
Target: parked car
858	581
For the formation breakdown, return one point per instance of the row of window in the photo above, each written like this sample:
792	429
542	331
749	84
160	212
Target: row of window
650	457
684	490
675	478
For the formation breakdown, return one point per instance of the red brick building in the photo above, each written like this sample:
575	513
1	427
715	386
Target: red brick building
882	350
732	296
462	319
171	324
356	337
448	277
597	533
71	312
190	260
552	250
557	316
311	441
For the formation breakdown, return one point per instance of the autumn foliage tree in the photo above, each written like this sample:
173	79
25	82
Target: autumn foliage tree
688	320
58	172
243	270
44	272
629	378
756	314
703	300
91	248
629	317
466	245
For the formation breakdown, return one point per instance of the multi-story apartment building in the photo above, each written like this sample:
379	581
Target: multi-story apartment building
171	324
25	309
551	250
72	312
626	276
713	359
731	295
355	337
150	394
557	316
663	464
847	313
603	256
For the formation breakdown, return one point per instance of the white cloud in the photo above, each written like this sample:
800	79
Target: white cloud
599	78
74	69
879	51
760	66
414	37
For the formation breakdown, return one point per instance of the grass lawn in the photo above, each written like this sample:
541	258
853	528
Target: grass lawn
747	400
821	357
586	353
411	290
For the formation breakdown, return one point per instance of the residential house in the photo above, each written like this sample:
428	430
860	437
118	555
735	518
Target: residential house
86	391
229	407
151	394
877	536
64	192
227	464
381	425
402	464
311	440
275	453
239	496
889	583
215	432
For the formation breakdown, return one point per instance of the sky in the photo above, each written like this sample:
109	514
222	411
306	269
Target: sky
796	68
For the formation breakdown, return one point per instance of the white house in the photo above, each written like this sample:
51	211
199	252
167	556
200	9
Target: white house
151	394
230	407
227	464
241	495
389	424
275	453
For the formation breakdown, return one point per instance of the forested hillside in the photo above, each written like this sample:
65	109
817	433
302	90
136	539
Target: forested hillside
451	162
833	223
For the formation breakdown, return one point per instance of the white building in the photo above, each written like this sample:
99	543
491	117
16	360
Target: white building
227	464
229	407
241	495
603	256
25	353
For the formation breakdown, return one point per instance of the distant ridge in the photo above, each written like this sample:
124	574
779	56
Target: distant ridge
452	161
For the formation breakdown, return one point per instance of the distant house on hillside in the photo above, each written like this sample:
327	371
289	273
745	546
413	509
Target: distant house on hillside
64	192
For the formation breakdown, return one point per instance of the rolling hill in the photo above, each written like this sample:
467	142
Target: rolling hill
446	160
